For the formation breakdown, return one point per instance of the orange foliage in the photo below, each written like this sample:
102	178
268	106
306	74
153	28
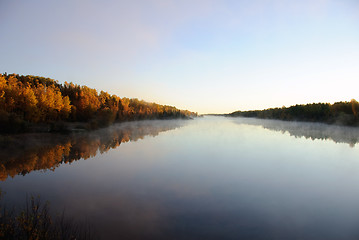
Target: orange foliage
31	99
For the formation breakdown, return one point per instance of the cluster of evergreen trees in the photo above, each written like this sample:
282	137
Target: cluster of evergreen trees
29	100
343	113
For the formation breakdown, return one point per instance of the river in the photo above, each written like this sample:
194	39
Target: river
207	178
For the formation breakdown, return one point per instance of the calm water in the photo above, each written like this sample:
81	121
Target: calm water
209	178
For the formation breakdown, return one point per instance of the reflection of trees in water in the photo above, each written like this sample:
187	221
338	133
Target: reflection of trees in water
338	134
25	153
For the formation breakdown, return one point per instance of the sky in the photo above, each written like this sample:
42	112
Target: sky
207	56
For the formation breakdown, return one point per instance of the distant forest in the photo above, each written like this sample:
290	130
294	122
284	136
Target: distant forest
32	103
341	113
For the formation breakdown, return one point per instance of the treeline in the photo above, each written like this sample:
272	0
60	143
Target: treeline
26	101
342	113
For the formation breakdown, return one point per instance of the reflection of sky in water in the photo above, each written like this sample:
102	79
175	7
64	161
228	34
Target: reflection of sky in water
212	178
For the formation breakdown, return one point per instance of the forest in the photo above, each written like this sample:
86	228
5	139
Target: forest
39	104
340	113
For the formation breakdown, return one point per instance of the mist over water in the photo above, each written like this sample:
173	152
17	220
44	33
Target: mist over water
336	133
21	154
208	178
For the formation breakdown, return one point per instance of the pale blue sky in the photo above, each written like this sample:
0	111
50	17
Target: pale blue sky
203	55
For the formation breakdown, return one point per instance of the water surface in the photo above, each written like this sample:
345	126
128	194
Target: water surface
208	178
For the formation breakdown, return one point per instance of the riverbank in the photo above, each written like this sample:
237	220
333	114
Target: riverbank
339	113
38	104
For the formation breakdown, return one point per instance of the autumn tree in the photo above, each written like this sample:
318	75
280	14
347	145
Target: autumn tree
33	99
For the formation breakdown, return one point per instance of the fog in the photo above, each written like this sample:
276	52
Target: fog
22	154
308	130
